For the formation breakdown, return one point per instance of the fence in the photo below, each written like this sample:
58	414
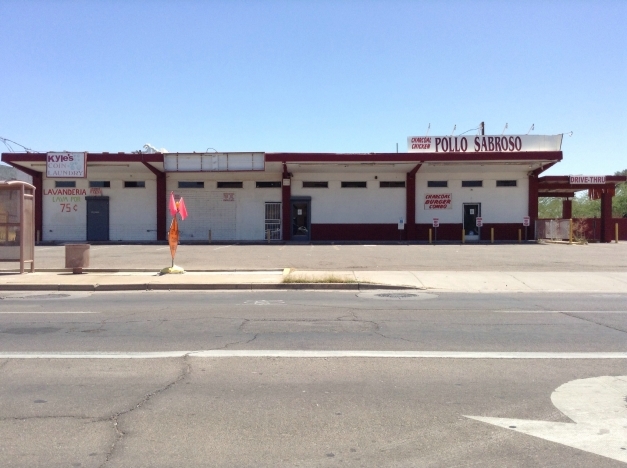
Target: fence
554	229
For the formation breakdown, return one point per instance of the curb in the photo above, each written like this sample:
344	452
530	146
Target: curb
201	287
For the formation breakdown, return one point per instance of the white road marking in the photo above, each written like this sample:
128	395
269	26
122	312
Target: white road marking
225	353
163	248
264	302
369	245
223	247
45	313
562	311
336	247
597	407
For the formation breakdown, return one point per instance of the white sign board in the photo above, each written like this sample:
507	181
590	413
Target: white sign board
436	222
401	224
581	179
479	221
63	165
484	143
438	201
526	220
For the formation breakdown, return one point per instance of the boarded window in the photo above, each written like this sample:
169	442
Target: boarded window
134	184
263	184
353	184
506	183
309	184
392	184
472	183
183	184
437	183
64	183
230	184
99	183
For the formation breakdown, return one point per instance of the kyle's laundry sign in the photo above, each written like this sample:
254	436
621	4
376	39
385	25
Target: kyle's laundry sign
484	143
438	201
72	165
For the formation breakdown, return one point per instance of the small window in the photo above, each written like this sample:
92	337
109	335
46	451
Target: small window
64	183
353	184
230	184
268	184
437	183
134	184
315	185
506	183
99	183
183	184
392	184
472	183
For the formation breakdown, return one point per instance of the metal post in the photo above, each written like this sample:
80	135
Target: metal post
616	232
463	236
519	236
268	235
210	236
430	236
570	234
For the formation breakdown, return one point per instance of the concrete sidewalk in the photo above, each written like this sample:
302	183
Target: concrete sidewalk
444	281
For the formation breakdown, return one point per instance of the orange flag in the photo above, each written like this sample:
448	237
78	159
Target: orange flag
172	205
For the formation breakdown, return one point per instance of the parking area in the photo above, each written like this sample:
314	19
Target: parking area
371	257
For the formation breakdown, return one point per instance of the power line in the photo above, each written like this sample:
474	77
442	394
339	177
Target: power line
8	142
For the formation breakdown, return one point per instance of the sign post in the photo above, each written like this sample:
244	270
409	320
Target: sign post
526	221
479	223
436	225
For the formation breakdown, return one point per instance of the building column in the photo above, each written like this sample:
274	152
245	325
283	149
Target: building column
410	204
532	210
161	202
606	215
286	195
567	208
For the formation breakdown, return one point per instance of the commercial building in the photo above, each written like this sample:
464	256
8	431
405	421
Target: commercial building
456	183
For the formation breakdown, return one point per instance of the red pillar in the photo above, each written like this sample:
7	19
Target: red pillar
161	201
410	204
532	210
606	216
567	208
286	195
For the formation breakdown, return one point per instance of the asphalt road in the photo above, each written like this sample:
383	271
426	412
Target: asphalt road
377	257
132	410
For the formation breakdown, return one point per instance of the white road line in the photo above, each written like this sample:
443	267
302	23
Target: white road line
163	248
562	311
315	354
44	313
224	247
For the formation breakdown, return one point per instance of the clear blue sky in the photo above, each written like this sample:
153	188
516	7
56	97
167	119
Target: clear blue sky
320	76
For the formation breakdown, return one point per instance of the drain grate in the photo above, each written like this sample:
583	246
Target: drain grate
396	295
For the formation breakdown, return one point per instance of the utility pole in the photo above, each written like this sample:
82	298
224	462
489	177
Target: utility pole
482	128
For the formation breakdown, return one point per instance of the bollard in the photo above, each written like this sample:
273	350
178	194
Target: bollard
268	235
210	236
491	235
570	234
430	236
463	236
520	236
616	232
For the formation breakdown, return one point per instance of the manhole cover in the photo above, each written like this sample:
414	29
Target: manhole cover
397	295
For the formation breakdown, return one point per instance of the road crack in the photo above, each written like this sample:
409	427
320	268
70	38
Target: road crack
119	434
572	314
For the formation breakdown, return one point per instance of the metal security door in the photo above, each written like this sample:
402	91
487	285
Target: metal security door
273	220
97	218
471	212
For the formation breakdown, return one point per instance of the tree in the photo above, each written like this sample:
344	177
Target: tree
619	203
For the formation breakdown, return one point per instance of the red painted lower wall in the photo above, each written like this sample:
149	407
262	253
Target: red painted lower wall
390	232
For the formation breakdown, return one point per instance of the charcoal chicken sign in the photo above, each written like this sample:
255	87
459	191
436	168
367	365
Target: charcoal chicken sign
66	165
484	143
